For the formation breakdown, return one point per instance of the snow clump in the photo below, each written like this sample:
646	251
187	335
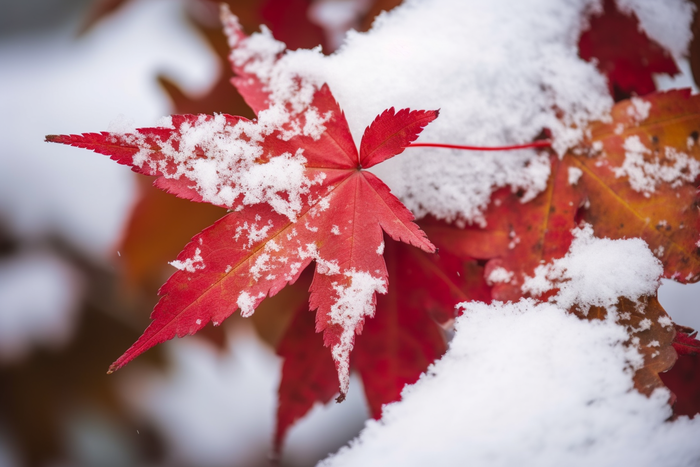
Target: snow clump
597	271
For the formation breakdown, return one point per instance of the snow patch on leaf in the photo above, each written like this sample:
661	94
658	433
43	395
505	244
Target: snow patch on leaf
247	303
639	110
355	302
229	167
597	271
253	232
327	267
574	175
645	171
500	275
190	264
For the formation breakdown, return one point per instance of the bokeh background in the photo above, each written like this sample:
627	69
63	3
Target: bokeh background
84	243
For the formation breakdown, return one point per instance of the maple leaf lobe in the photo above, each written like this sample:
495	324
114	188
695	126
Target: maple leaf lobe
391	132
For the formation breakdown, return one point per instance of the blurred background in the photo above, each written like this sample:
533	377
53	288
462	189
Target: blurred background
84	243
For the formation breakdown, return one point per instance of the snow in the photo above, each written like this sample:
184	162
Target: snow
499	274
597	271
574	175
355	302
190	264
645	171
230	174
39	297
527	384
246	303
639	110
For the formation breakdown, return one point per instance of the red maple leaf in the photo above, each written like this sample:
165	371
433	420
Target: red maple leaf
624	53
335	215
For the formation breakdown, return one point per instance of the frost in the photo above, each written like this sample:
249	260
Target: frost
355	302
574	175
597	271
646	171
190	264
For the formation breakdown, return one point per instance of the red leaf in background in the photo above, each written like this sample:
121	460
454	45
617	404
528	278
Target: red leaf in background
684	378
684	381
624	53
397	346
308	373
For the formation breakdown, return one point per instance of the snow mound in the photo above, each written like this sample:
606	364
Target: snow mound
527	384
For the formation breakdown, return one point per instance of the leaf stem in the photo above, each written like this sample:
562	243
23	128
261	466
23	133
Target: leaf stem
536	144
